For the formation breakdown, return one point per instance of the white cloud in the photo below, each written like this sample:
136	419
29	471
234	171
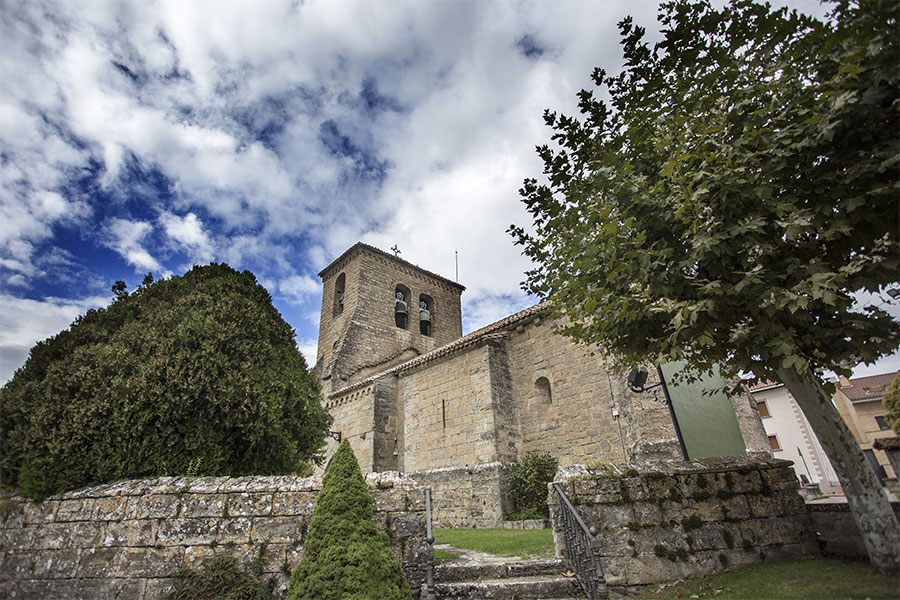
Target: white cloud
188	233
297	288
308	347
127	237
25	322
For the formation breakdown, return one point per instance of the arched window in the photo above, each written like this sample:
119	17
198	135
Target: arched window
339	289
401	305
426	314
542	390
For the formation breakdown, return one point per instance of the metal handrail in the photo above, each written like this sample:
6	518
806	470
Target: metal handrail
581	549
429	575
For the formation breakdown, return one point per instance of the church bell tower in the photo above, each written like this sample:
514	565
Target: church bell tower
378	311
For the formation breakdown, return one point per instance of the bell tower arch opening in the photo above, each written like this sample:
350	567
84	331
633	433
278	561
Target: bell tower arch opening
426	314
402	296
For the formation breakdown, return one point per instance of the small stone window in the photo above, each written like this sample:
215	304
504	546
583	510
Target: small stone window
542	390
426	314
401	306
763	409
773	442
882	423
339	290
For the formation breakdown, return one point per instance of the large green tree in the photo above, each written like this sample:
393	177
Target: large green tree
733	201
195	375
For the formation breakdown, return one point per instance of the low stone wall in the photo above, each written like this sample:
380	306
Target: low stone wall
125	540
688	518
835	529
467	496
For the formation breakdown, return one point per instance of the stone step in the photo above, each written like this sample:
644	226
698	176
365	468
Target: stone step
509	588
521	568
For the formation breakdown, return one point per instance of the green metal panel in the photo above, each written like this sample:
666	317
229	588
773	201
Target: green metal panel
705	415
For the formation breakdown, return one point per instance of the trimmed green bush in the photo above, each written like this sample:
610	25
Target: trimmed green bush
194	375
528	485
345	556
222	578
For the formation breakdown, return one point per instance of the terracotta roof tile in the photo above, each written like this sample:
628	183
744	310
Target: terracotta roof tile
865	388
471	339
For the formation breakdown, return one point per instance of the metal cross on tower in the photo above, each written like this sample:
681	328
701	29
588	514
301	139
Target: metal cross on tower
396	250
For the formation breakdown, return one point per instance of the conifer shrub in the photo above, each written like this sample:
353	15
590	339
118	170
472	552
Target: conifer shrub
528	485
192	375
345	556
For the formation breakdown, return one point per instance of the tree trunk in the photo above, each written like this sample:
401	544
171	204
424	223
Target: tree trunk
868	502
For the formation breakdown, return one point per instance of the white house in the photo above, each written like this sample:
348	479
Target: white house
791	437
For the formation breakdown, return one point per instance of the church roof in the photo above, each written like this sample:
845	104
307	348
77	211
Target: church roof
472	339
373	250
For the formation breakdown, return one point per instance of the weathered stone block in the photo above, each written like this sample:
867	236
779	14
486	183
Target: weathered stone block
74	510
110	589
649	568
67	535
18	564
249	505
279	529
390	500
39	512
134	563
156	506
132	532
187	532
56	564
203	505
114	508
293	503
96	562
235	530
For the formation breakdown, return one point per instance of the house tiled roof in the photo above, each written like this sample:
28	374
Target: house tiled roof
866	388
467	340
764	385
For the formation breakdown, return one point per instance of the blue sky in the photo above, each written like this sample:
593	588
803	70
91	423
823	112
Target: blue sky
272	135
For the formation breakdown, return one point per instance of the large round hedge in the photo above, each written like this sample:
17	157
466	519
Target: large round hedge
345	556
192	375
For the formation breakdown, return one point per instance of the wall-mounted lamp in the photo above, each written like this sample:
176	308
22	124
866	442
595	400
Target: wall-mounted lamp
637	379
335	435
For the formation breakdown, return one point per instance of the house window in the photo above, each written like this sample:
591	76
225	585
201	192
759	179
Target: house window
339	290
542	390
882	424
763	409
426	314
773	442
401	306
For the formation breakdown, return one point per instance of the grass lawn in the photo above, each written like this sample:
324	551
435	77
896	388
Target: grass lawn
820	579
525	543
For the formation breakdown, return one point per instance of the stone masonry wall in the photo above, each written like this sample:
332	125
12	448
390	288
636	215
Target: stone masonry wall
575	424
124	540
448	413
354	417
835	530
470	497
687	519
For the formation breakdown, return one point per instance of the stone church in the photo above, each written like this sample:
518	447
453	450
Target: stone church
412	394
